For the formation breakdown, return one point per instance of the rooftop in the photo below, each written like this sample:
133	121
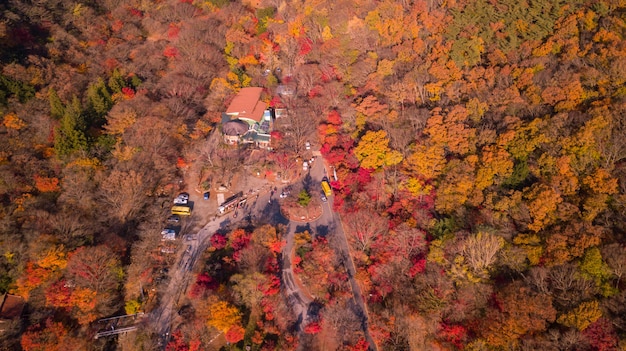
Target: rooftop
247	104
12	306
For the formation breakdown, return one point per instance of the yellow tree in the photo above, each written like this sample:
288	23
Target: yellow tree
373	151
223	316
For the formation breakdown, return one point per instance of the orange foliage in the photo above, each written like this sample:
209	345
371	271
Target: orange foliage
47	185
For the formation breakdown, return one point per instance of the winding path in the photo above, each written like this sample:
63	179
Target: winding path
162	316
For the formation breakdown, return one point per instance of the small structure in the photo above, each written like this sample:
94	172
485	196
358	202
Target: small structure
247	120
10	310
234	130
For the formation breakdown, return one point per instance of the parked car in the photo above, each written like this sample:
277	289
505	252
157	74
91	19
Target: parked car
307	145
180	201
168	234
324	199
206	195
283	195
173	219
184	196
188	250
305	166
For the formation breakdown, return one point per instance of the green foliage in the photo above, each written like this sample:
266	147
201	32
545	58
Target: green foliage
520	21
99	99
57	109
263	15
594	267
135	81
304	198
116	81
10	87
443	227
519	175
132	306
70	135
219	3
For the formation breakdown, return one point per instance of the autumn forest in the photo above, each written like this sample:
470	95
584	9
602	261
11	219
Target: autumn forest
479	148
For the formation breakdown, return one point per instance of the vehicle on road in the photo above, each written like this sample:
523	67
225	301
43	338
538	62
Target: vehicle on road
230	204
181	210
324	198
326	187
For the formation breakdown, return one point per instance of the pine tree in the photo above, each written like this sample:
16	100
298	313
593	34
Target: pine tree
57	110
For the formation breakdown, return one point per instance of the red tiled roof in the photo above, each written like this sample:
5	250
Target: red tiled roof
247	105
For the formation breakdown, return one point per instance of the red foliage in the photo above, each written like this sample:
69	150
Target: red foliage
306	45
239	239
271	265
203	283
181	163
128	92
177	343
59	295
235	334
218	241
360	345
364	176
313	328
276	102
334	118
170	51
173	30
454	334
418	267
601	335
135	12
277	135
315	91
272	287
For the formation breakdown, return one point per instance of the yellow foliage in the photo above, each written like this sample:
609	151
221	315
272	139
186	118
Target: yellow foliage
427	161
223	316
495	162
327	33
385	68
12	121
582	316
373	151
53	259
417	187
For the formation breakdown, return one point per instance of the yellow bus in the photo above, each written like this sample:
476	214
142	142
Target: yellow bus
326	188
181	210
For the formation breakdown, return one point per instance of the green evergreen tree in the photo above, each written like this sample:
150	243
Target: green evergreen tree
304	198
99	99
57	110
70	135
117	81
